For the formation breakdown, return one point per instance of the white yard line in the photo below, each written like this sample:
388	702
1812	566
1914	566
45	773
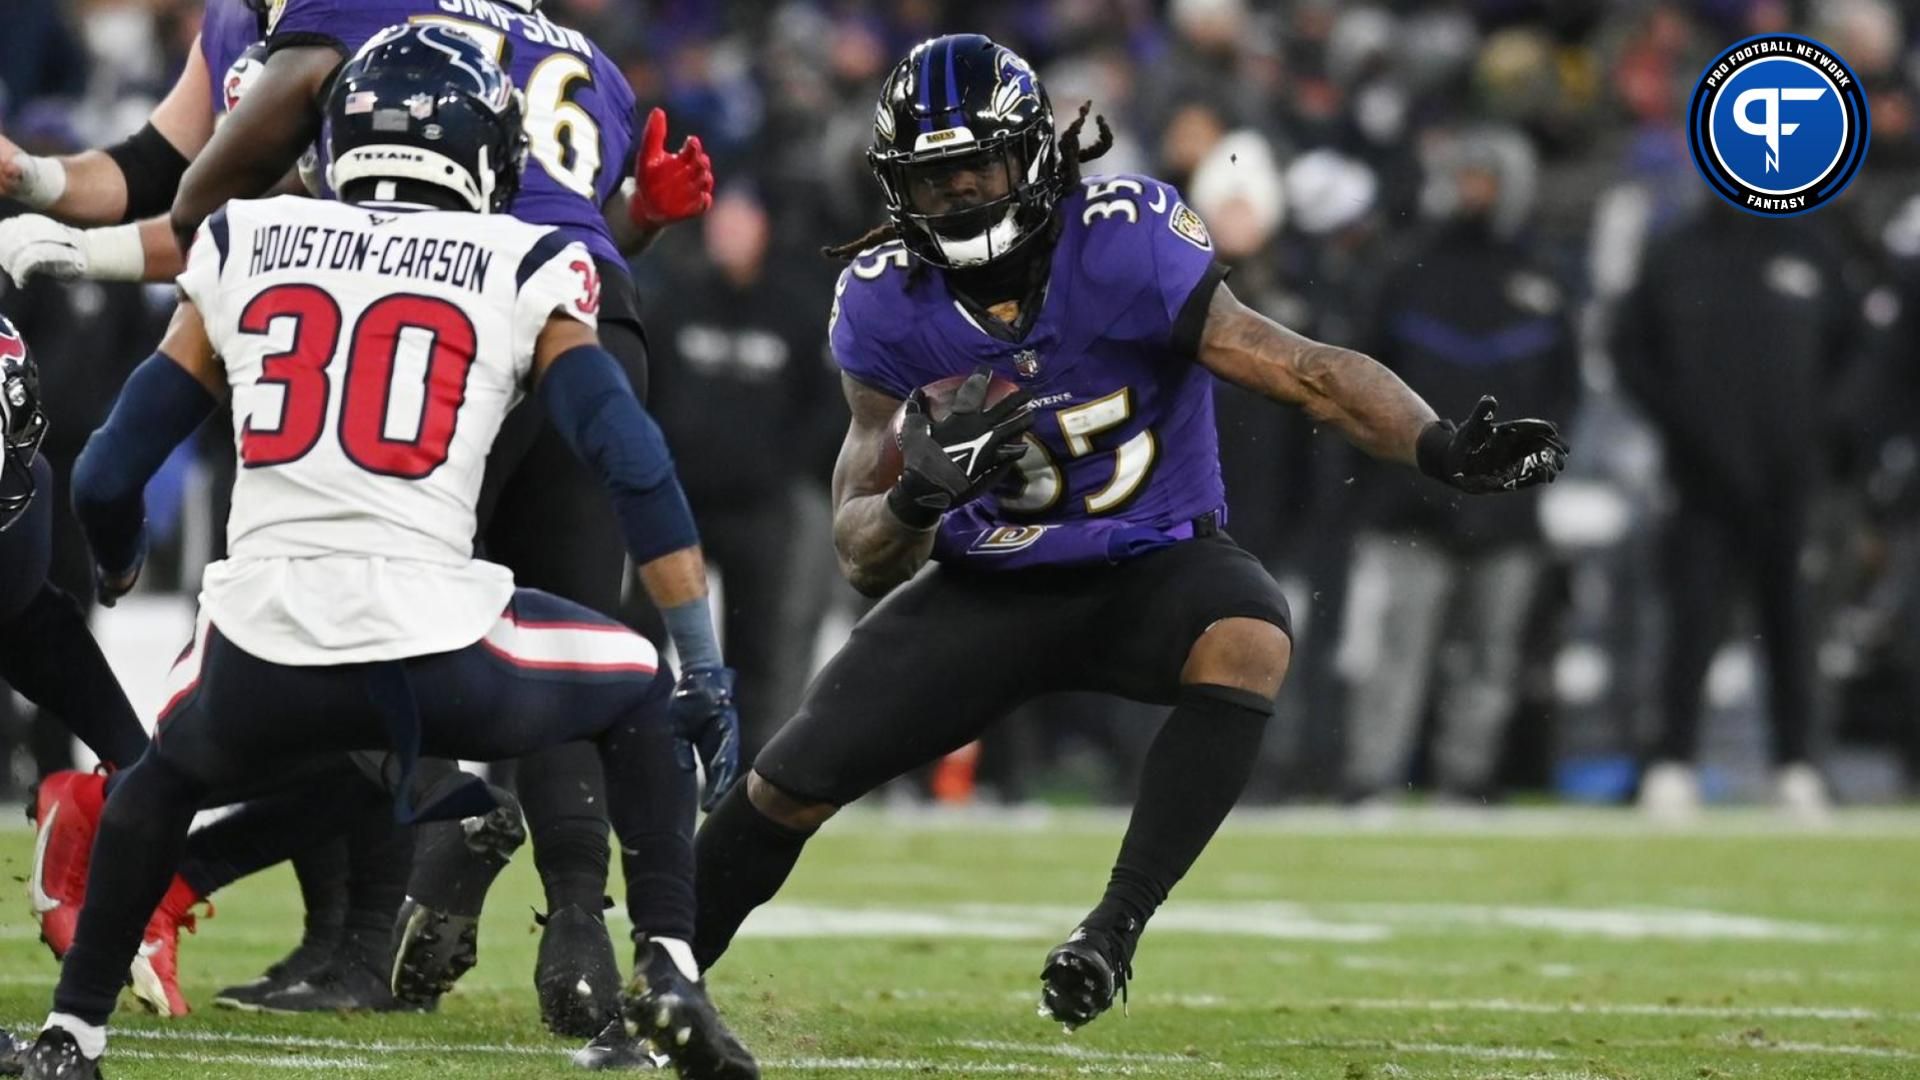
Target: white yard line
1014	998
1069	1050
1354	923
1080	1060
264	1061
1504	1005
308	1042
1472	1050
1833	1048
948	1067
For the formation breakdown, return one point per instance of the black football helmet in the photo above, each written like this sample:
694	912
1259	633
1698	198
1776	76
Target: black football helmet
425	103
958	105
22	424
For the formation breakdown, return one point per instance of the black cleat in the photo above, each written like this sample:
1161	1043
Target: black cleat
305	961
13	1054
616	1048
434	950
343	986
1084	972
55	1055
673	1013
437	933
577	976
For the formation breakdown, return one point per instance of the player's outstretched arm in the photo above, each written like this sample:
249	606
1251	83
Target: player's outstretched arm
1372	407
593	407
262	137
877	549
131	180
162	403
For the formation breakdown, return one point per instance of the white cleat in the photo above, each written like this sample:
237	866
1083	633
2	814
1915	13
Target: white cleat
1670	793
1800	792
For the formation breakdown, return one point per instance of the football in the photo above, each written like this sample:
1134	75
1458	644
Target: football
940	399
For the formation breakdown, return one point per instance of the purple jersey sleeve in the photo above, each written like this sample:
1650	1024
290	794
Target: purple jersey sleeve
226	30
343	24
1147	249
870	328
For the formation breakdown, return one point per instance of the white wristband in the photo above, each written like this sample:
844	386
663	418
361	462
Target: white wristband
42	181
114	253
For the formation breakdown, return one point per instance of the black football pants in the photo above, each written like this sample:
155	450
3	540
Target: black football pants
546	518
1713	556
549	671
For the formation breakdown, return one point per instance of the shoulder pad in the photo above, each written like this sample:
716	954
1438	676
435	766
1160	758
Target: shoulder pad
872	292
1113	219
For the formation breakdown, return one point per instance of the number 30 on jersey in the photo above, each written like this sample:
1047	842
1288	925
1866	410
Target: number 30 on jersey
389	326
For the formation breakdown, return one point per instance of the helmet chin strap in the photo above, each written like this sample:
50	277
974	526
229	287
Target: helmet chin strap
985	247
486	181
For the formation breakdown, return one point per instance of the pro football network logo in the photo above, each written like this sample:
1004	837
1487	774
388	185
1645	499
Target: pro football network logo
1778	125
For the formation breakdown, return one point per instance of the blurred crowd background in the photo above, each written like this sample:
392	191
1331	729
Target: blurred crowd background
1488	195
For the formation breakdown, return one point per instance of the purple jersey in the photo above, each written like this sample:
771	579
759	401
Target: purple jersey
226	30
580	110
1123	456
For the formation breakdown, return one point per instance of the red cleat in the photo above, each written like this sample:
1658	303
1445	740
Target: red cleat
66	815
156	967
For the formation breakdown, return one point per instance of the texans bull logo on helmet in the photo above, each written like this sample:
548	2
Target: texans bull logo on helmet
11	345
242	75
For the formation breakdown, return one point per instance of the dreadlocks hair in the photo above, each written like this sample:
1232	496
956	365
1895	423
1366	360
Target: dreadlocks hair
1072	155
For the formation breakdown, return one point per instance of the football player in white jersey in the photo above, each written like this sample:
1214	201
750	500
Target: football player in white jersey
371	348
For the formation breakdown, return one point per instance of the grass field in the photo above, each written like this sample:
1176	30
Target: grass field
1534	944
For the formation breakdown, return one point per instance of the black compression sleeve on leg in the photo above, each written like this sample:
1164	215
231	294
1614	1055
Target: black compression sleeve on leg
563	790
651	797
152	168
47	653
275	827
1193	775
379	861
741	858
143	830
321	871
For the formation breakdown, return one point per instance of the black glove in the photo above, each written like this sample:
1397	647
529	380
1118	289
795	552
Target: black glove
949	462
1481	457
707	723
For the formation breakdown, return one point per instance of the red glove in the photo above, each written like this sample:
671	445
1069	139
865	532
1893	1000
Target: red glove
668	187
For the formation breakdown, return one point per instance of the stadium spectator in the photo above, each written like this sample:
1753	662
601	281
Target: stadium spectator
1731	342
1442	587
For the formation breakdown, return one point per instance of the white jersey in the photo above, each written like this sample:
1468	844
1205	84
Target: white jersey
372	356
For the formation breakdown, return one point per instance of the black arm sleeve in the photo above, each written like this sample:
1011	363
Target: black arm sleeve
152	168
1191	323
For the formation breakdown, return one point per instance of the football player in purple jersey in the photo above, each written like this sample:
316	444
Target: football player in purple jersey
1069	536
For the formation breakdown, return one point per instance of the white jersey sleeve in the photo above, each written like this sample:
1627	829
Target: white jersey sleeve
201	282
558	278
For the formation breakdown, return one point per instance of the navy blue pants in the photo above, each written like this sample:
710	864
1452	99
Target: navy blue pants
549	672
46	650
